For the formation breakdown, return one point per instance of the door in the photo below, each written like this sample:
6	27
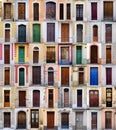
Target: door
7	120
79	55
7	10
36	32
108	54
65	120
21	10
79	121
95	33
79	33
66	97
50	78
21	54
64	32
50	120
65	76
94	120
50	98
21	120
108	76
21	77
7	35
36	98
21	33
36	75
50	32
94	11
6	54
22	98
94	54
6	98
108	33
35	56
93	76
36	11
7	76
79	98
81	78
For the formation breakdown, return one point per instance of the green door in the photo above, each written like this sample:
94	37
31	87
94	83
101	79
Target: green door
79	55
36	33
21	77
21	55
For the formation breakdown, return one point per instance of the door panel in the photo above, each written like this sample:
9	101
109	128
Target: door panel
22	98
65	76
21	10
94	11
7	120
50	78
7	10
79	121
21	54
79	33
79	55
64	32
50	120
93	76
21	77
50	32
36	33
36	98
108	54
79	98
7	54
21	120
94	54
66	98
7	76
36	11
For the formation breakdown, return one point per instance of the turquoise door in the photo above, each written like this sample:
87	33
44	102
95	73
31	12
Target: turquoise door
79	55
21	55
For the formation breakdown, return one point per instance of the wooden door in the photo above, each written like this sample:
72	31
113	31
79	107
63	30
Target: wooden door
94	120
21	11
6	54
79	55
6	98
79	98
21	77
65	76
108	120
36	32
108	33
22	98
65	120
50	78
108	76
7	76
50	32
36	75
22	33
36	11
50	98
21	54
7	10
81	78
79	33
35	56
7	35
108	54
79	121
94	11
94	54
95	33
50	120
21	120
7	120
66	97
36	98
64	32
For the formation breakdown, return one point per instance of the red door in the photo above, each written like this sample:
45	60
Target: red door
50	120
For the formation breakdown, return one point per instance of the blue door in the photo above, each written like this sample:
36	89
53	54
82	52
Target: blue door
93	76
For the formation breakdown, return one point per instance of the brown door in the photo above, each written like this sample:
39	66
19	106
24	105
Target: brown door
79	98
66	97
65	32
6	98
36	98
7	76
7	119
108	54
50	98
7	10
94	54
50	120
95	33
50	78
21	10
35	56
81	77
22	98
94	120
7	54
65	76
21	120
7	35
108	76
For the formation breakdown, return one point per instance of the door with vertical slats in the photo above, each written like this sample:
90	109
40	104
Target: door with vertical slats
65	76
64	32
7	10
21	54
22	98
50	120
66	97
36	98
6	54
21	10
